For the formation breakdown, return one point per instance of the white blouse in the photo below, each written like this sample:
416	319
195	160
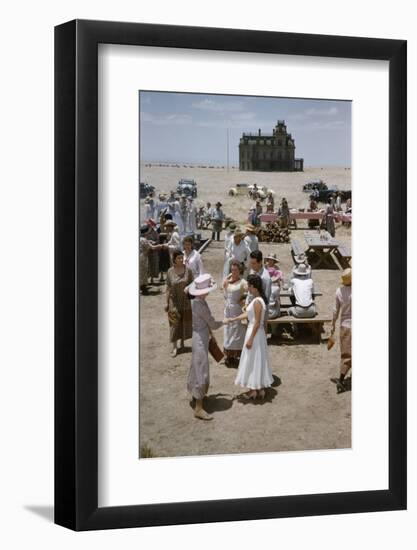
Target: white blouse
194	262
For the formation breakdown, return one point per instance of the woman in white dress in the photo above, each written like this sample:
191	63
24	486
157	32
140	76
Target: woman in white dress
254	371
234	288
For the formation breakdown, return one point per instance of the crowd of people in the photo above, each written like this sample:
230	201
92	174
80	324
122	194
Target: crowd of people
251	287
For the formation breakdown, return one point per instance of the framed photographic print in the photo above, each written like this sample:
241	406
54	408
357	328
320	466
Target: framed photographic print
212	288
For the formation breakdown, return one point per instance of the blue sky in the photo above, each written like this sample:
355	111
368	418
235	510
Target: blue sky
180	127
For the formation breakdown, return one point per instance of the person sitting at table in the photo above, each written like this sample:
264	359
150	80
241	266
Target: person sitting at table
302	289
271	264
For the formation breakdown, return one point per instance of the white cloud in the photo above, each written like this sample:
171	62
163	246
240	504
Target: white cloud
166	120
218	106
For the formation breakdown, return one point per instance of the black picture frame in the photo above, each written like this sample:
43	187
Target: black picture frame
76	272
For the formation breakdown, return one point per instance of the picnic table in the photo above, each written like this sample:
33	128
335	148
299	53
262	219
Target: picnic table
296	215
320	244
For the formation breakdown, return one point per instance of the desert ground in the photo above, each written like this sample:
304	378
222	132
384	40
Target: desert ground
302	410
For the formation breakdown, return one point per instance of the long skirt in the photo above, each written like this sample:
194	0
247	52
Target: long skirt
345	349
153	269
180	325
199	375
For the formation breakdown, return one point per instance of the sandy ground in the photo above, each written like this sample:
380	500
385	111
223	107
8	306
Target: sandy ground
302	410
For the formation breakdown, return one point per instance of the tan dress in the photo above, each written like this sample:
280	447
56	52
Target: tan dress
179	307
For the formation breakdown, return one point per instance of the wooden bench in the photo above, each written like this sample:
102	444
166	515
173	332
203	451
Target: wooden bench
344	256
316	322
296	248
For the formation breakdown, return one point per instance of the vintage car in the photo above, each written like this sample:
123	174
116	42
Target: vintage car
324	194
314	184
238	190
259	192
145	189
187	187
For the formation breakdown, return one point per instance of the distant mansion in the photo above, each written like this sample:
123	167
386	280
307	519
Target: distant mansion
269	153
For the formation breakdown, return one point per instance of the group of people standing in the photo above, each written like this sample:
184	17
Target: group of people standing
254	372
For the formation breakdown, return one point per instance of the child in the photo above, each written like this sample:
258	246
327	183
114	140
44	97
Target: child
271	264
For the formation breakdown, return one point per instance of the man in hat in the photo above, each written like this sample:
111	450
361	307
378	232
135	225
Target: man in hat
302	289
236	250
230	229
300	259
343	306
271	264
251	239
217	217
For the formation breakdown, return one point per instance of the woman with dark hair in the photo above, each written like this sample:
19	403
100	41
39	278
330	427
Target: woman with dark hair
192	258
235	289
254	372
178	303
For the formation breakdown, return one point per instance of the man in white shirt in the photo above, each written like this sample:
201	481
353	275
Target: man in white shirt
236	250
257	267
343	306
251	239
302	289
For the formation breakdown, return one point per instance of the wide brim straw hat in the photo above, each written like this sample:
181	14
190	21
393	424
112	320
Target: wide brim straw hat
171	223
238	233
272	257
346	278
300	258
203	284
301	270
250	227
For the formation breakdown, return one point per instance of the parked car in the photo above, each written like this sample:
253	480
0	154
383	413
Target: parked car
145	189
324	194
187	187
239	189
314	184
260	192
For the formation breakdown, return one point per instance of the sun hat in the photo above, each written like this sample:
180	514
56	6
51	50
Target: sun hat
170	222
301	269
232	227
162	195
238	233
203	284
272	257
346	278
219	204
250	227
300	258
147	200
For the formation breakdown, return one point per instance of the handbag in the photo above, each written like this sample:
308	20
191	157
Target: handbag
214	349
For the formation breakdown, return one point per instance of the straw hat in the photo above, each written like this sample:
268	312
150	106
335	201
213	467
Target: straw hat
251	228
162	196
300	258
301	269
202	284
272	257
346	278
232	227
170	223
238	233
